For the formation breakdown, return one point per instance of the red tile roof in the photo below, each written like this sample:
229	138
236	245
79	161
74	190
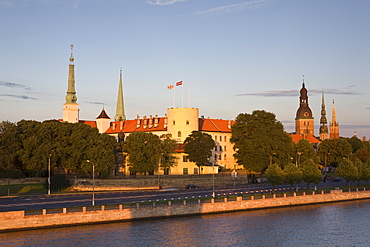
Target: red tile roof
310	138
215	125
129	126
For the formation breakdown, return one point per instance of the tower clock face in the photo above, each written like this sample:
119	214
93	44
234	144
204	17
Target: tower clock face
305	114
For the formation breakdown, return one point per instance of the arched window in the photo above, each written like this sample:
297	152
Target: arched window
187	122
179	134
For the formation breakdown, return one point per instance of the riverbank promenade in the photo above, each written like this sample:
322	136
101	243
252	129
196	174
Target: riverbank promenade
19	220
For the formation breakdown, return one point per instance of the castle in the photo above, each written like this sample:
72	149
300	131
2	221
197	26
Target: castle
179	122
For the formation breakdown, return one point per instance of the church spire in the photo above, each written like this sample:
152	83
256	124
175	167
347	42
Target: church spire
304	121
120	110
334	126
70	110
323	121
71	92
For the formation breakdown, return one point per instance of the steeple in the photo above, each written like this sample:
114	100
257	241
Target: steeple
323	121
71	92
120	110
304	121
70	110
334	126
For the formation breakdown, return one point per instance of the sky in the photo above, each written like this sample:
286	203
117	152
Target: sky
233	56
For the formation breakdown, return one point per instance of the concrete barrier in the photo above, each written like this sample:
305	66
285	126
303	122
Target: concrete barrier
17	220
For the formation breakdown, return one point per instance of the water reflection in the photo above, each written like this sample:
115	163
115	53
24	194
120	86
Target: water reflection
338	224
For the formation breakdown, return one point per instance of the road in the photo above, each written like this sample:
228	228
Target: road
105	198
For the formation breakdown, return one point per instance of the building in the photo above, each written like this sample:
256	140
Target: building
178	122
304	121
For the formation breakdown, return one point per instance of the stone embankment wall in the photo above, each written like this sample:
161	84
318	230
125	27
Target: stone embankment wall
151	182
18	220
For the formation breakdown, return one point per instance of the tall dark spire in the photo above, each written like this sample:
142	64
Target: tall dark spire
304	121
323	121
71	91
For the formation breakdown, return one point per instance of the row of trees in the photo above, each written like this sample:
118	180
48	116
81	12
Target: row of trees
260	140
27	146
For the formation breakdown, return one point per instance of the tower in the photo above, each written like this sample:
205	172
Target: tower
304	122
334	126
70	110
120	110
103	122
323	121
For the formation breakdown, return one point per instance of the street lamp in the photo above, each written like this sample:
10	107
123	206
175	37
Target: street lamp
93	183
298	157
49	182
213	179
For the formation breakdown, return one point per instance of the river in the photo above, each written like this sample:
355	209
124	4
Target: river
334	224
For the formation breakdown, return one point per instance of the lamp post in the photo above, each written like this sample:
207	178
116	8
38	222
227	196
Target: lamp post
298	157
213	180
49	182
93	183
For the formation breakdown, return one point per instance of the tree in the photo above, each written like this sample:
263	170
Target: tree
347	170
362	154
9	149
199	147
168	146
58	182
304	151
310	172
293	175
355	143
260	140
274	175
363	170
143	150
334	150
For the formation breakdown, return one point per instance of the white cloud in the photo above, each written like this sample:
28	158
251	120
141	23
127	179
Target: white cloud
164	2
255	4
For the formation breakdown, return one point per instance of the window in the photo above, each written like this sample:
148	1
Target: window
187	122
195	170
225	148
225	138
185	158
220	138
224	156
220	148
185	171
179	134
216	138
173	122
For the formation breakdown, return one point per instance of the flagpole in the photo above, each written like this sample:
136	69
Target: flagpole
182	96
174	97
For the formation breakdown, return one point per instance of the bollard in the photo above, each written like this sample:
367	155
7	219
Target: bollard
304	193
64	210
356	189
102	208
137	205
44	212
212	200
198	201
263	196
274	196
153	204
284	195
169	203
225	199
252	197
313	193
294	194
184	202
322	192
120	207
83	209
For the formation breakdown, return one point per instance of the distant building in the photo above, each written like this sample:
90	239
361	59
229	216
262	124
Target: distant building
179	122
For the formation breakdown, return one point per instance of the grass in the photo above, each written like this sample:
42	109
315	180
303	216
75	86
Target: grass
22	189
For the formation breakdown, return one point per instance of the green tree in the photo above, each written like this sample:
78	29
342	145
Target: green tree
168	151
362	154
310	172
347	170
58	182
363	170
293	175
274	175
143	150
260	140
334	150
9	150
304	151
355	143
199	147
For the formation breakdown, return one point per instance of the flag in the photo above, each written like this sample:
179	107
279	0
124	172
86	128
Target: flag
170	87
179	83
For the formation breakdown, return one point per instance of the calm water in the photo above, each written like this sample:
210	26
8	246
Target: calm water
337	224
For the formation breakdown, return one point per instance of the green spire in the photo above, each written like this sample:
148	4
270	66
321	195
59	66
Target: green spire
120	110
71	92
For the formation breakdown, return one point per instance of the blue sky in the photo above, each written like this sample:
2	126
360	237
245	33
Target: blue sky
234	56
